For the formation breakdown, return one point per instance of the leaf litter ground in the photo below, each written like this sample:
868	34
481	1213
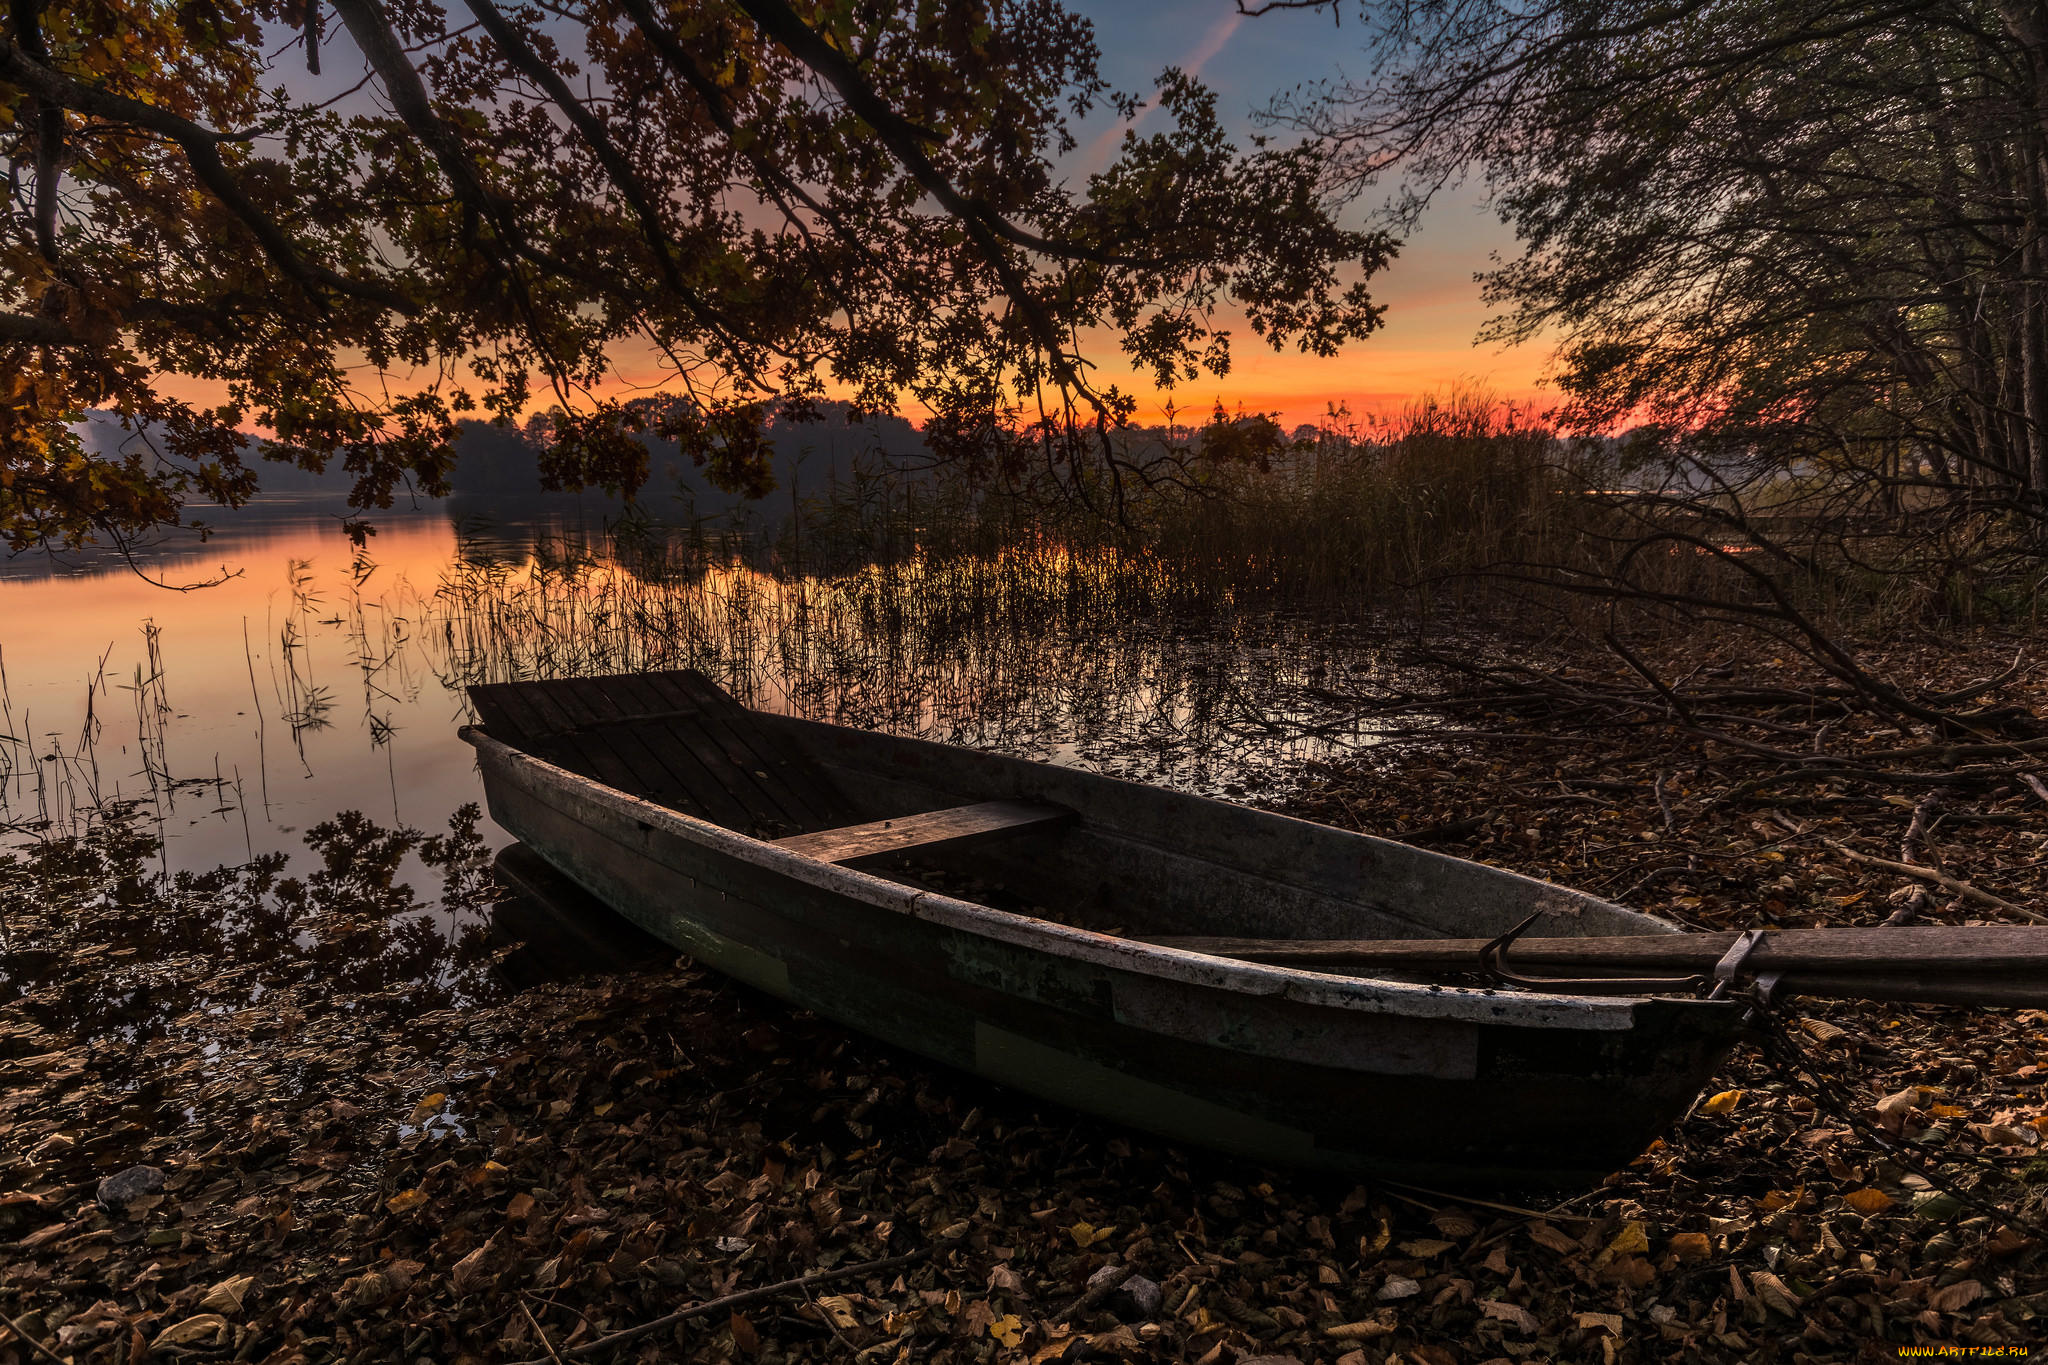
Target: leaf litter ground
368	1148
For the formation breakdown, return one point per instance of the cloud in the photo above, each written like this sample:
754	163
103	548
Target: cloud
1103	148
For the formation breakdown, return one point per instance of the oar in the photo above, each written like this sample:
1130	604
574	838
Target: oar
1938	964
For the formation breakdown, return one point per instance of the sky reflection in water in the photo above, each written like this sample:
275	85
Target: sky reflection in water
316	679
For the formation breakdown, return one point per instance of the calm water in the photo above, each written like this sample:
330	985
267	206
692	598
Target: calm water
312	678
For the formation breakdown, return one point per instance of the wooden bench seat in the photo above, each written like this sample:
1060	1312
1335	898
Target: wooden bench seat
927	830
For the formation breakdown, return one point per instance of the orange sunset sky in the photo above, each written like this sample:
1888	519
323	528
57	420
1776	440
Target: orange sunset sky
1433	307
1427	343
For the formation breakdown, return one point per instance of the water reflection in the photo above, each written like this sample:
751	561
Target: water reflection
319	677
98	943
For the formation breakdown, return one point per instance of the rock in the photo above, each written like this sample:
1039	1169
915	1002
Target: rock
1107	1275
1141	1296
133	1183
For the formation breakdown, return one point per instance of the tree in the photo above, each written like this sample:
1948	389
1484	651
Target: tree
1812	229
772	198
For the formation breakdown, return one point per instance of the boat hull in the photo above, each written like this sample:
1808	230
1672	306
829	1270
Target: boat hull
1286	1068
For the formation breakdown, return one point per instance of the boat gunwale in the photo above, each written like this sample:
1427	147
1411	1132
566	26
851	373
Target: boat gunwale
1371	995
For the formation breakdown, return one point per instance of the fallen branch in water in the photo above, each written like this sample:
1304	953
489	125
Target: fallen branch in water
744	1296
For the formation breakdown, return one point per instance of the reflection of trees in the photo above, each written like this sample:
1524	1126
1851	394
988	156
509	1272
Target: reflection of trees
216	941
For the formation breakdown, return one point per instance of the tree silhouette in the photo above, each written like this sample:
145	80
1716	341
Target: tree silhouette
768	202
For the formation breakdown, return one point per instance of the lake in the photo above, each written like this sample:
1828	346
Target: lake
308	677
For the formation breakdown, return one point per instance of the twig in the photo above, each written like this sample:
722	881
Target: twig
830	1321
728	1301
1978	689
1515	1209
1941	879
40	1349
539	1332
1096	1296
1671	698
1913	849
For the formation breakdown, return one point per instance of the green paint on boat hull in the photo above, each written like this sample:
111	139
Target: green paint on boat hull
1012	1060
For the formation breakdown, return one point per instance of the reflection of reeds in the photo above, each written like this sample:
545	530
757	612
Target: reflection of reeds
1104	657
14	748
149	690
379	633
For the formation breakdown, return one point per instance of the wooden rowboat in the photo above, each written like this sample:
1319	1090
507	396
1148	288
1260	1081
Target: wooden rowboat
996	922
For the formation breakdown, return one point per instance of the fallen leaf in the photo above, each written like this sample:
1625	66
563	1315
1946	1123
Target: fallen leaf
1893	1109
1425	1248
1632	1238
840	1309
205	1329
1691	1246
519	1206
227	1296
1398	1287
470	1271
1937	1205
1008	1330
1722	1102
1380	1324
1773	1292
1545	1235
744	1336
1953	1298
1086	1234
1513	1314
1062	1343
1453	1224
1867	1202
406	1201
427	1108
1607	1322
1782	1199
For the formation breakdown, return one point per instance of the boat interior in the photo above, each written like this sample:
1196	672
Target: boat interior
1055	843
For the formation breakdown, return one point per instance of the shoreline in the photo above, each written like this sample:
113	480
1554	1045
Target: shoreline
382	1173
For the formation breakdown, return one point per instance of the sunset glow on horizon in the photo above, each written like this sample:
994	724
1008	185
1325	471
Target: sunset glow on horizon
1427	344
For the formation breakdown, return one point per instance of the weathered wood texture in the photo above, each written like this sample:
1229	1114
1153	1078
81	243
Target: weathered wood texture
929	829
1142	860
1928	964
1936	948
673	738
1479	1086
1470	1087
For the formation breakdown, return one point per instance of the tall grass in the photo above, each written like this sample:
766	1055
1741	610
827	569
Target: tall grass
1446	487
1343	514
1458	502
